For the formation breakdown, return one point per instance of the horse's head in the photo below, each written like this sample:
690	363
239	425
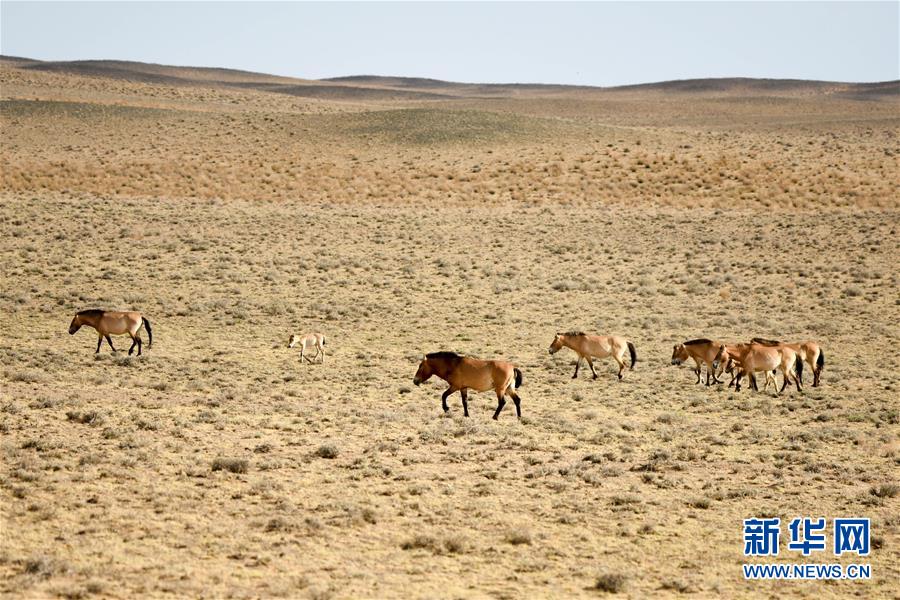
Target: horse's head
679	354
293	340
730	365
423	373
75	325
721	355
556	344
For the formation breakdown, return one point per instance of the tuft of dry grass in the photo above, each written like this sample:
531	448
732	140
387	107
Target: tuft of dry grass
233	465
611	583
327	451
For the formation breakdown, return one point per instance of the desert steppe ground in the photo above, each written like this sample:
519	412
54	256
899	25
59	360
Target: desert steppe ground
406	216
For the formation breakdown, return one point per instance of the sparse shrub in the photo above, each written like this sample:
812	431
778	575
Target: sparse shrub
676	585
234	465
885	490
369	516
518	536
278	524
26	376
624	500
44	567
565	285
327	451
702	503
612	583
456	544
44	403
419	541
92	417
146	425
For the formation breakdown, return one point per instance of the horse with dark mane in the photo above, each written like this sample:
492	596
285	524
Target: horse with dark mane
116	323
808	351
464	373
701	350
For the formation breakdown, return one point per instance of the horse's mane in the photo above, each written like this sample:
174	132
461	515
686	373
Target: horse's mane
573	333
445	355
697	341
765	342
91	312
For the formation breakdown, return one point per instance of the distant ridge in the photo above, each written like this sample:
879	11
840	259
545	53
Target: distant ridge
374	87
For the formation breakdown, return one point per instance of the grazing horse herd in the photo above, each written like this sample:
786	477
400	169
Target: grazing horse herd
464	373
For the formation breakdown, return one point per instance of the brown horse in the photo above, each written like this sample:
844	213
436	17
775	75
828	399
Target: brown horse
464	373
730	357
808	351
767	358
115	323
594	346
702	350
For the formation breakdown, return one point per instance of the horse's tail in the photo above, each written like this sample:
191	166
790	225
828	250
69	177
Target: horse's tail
518	378
146	324
798	366
323	341
633	353
820	362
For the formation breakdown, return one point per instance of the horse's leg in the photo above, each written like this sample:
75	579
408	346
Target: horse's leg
518	404
715	376
708	368
140	344
444	397
697	369
109	341
753	385
621	366
787	379
577	364
465	400
500	402
737	381
99	341
133	344
590	363
322	348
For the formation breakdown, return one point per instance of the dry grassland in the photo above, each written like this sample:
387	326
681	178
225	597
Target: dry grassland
216	465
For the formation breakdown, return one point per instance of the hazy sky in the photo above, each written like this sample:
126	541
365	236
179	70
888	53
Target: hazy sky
593	43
